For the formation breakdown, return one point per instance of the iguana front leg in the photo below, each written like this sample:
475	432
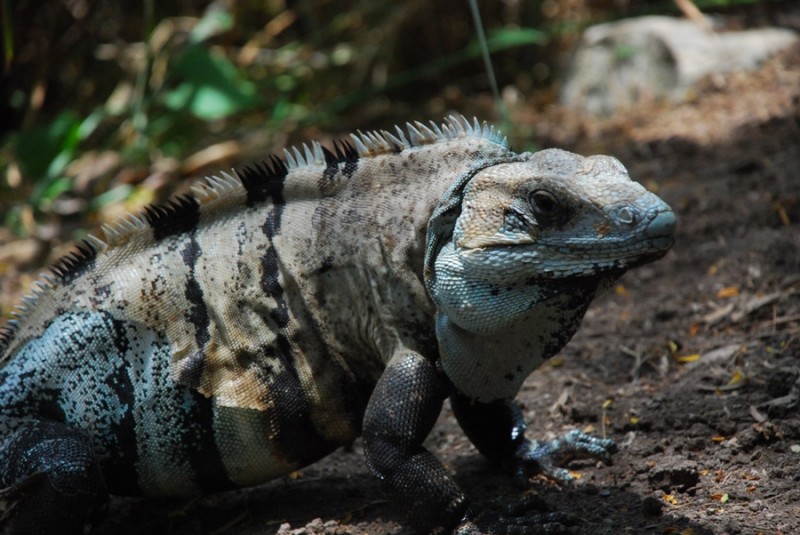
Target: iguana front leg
403	409
401	412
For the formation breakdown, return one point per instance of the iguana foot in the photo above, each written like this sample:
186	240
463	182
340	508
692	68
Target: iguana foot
547	457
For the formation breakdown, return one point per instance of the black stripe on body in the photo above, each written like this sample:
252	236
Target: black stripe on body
331	164
120	467
197	315
294	433
293	430
202	451
264	181
178	216
270	283
204	456
347	154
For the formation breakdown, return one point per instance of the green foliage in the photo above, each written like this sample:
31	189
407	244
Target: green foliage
212	87
43	152
200	84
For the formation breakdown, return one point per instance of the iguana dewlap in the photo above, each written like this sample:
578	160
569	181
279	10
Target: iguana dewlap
275	314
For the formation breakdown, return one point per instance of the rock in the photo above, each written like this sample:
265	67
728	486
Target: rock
621	64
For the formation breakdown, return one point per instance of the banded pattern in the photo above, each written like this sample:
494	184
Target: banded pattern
180	214
230	329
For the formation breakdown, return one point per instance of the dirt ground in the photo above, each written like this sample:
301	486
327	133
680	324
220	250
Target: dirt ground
691	364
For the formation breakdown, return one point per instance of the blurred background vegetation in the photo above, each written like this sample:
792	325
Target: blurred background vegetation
105	105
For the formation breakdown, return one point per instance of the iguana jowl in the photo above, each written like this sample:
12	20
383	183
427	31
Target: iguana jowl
254	326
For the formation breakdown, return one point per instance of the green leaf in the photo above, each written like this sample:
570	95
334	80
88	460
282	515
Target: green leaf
211	88
37	148
52	190
44	152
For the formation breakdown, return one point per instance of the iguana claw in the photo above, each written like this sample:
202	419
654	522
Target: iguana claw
545	457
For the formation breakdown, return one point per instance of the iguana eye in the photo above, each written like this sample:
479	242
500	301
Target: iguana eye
544	204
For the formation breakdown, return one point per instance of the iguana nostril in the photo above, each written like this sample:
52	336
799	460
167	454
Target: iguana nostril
663	225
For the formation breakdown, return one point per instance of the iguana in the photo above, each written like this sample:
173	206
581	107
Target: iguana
274	314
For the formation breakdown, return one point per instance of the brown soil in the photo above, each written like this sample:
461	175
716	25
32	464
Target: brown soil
690	363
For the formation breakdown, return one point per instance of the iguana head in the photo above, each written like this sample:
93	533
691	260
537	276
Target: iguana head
556	215
526	229
517	253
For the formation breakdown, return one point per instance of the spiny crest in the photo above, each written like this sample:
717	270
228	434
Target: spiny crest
74	262
264	180
375	143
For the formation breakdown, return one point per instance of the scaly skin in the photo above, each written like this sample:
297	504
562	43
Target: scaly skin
271	316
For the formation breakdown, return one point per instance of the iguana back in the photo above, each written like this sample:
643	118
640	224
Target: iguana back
275	294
